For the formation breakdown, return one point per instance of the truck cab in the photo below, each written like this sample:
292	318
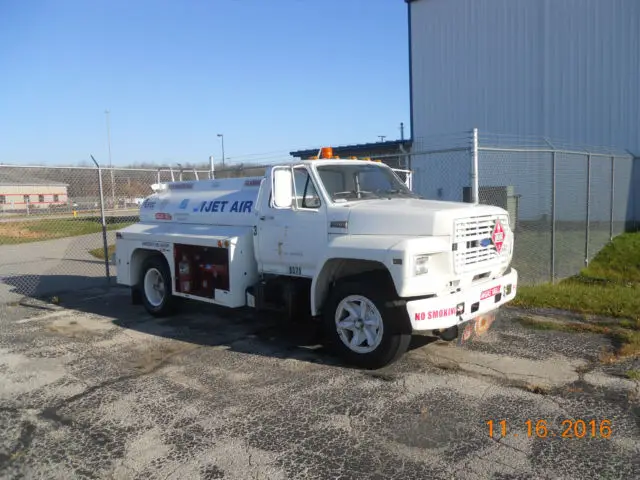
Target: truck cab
345	242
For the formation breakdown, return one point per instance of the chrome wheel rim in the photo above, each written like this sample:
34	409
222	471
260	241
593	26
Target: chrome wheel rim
359	324
154	287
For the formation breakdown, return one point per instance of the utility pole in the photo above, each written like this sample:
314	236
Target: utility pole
113	188
222	138
401	130
382	137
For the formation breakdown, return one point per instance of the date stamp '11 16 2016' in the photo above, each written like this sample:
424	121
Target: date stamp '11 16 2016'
569	428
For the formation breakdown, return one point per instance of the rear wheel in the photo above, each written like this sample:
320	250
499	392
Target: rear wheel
155	287
362	328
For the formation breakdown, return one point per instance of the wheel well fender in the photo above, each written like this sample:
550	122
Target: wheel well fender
138	258
335	269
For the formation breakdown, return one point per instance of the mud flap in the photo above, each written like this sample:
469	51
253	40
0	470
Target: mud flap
475	328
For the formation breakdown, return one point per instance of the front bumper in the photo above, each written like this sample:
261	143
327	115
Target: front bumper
449	310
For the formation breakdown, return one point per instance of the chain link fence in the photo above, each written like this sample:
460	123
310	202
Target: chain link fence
569	201
51	230
565	203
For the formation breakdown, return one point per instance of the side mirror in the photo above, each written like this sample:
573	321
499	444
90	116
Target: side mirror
282	188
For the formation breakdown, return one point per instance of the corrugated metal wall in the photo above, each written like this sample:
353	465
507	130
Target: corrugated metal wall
565	69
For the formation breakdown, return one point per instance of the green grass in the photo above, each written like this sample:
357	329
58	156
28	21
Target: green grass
35	231
619	261
609	286
633	374
99	252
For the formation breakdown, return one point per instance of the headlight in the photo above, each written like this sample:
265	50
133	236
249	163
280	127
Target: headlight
420	263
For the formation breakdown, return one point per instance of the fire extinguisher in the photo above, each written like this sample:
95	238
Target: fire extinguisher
184	274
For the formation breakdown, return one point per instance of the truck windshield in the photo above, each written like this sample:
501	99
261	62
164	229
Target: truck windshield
361	182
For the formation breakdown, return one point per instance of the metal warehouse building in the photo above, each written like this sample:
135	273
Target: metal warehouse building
563	69
20	192
530	75
551	91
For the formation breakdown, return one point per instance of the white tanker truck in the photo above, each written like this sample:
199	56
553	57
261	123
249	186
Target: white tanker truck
337	240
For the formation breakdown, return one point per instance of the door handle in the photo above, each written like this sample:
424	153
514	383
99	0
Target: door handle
266	217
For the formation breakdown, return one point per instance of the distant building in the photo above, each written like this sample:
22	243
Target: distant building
393	153
21	192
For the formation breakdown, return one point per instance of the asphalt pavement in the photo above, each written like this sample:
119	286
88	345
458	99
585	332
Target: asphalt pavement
95	388
50	266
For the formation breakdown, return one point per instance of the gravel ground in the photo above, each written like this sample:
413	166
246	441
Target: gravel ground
95	388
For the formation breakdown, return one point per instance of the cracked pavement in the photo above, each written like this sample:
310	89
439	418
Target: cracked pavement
96	388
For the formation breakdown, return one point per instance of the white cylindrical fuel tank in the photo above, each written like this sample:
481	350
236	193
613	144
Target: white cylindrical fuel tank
227	201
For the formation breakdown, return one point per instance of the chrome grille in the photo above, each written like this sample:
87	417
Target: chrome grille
468	252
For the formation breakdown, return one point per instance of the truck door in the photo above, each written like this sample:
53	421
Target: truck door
292	239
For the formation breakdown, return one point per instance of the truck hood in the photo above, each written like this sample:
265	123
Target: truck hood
411	217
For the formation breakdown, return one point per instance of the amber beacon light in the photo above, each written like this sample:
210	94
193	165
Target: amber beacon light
326	152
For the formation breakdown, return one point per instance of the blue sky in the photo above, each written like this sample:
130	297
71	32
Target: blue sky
270	75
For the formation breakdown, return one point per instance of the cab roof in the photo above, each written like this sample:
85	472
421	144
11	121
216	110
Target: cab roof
333	161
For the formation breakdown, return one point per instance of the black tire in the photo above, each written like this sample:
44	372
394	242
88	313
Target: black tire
166	306
396	331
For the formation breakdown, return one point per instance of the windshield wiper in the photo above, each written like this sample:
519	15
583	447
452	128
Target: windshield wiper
396	191
357	194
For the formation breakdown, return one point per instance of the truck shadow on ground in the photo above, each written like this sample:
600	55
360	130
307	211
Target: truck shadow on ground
49	284
239	330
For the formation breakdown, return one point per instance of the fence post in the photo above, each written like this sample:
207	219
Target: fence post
586	237
113	189
211	168
104	223
475	189
553	217
613	186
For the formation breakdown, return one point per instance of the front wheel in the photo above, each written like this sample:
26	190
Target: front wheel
362	329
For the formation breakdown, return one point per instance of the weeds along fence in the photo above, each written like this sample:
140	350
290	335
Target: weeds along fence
565	202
